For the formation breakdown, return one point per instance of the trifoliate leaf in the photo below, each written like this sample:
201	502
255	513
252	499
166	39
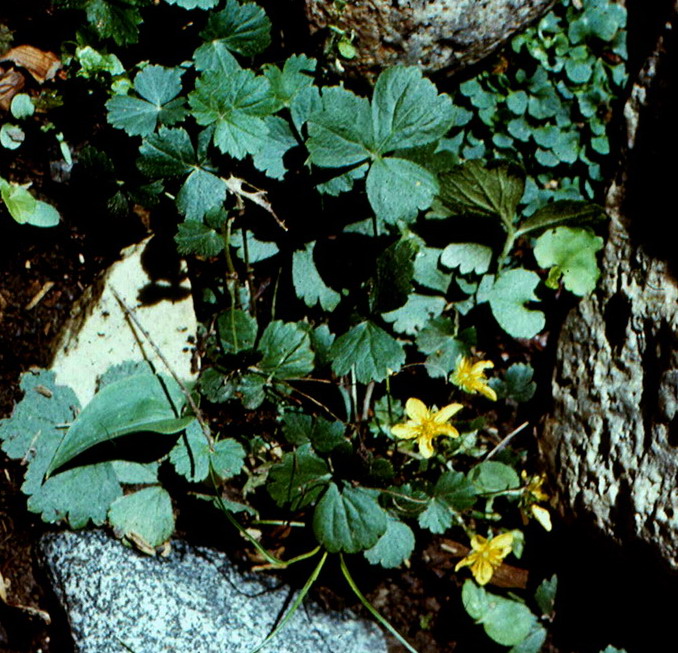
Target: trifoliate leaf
194	4
242	28
394	546
508	296
298	479
38	424
321	433
407	110
158	88
468	257
415	314
340	133
350	521
438	340
492	190
491	476
237	330
235	104
279	140
506	622
295	76
517	383
194	237
286	349
170	153
308	283
563	212
144	518
399	189
78	495
144	402
374	353
24	208
570	253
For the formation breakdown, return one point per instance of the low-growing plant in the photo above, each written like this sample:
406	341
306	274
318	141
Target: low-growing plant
354	309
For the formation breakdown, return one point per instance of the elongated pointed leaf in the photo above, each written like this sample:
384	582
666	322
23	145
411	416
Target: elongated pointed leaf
143	402
563	212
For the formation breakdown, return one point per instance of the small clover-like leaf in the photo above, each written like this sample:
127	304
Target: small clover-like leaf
373	352
350	521
570	253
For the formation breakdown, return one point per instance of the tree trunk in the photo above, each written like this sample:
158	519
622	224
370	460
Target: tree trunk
612	437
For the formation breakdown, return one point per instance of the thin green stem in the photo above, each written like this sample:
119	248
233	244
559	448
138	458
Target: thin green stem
372	610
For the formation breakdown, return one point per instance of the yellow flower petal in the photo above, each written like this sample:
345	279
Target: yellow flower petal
502	544
405	431
482	571
446	412
542	516
426	447
416	410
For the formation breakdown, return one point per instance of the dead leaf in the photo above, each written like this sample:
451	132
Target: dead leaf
11	82
236	186
42	65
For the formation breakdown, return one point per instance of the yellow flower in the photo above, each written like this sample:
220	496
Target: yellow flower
470	377
486	555
532	494
425	424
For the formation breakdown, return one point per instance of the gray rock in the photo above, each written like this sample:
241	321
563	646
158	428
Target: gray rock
612	436
435	35
193	600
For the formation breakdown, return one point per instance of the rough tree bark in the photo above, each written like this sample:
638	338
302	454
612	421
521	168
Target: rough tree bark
435	35
612	438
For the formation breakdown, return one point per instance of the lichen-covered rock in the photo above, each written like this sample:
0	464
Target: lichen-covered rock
435	35
612	438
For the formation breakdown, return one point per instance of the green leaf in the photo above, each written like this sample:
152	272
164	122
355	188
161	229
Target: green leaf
534	641
190	455
394	547
438	340
144	518
398	189
339	132
415	314
483	190
37	425
202	191
279	140
22	106
563	212
194	237
491	476
437	517
407	110
227	459
545	596
517	102
392	281
374	353
298	479
237	330
517	383
427	272
131	473
286	349
257	250
508	296
455	491
570	253
158	88
325	436
92	61
144	402
468	257
24	208
194	4
295	76
236	105
342	183
242	28
78	495
308	283
349	521
506	622
116	19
